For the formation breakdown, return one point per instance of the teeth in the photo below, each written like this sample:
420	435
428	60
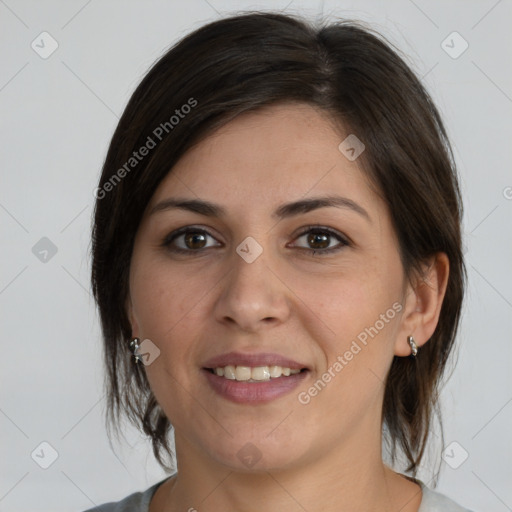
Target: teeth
242	373
258	373
275	371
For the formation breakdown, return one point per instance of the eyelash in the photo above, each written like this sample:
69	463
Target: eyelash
309	229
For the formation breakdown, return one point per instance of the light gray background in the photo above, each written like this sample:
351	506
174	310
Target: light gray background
58	115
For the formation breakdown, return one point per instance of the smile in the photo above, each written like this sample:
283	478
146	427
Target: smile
253	391
253	374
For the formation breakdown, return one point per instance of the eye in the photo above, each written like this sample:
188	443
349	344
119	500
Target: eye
188	240
192	240
320	238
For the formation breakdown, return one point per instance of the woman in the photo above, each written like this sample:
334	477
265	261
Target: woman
277	240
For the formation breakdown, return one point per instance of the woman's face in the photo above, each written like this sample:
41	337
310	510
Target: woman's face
244	289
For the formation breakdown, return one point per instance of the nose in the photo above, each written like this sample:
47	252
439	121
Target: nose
253	296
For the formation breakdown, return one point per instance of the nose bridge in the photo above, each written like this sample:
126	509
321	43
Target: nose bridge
252	294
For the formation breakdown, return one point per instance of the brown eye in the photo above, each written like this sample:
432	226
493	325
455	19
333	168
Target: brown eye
187	240
194	240
319	240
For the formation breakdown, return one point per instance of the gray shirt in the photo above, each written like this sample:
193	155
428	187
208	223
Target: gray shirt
432	501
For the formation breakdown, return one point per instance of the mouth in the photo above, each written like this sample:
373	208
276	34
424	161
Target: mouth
253	385
253	378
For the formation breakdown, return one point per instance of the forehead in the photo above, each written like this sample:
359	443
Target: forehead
266	157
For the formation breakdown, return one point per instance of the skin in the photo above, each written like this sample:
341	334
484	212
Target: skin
325	455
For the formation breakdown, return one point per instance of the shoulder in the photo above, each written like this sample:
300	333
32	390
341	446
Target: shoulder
434	501
136	502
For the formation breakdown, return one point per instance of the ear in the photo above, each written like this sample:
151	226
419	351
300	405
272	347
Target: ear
423	301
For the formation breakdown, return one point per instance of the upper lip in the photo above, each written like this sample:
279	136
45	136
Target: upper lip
253	360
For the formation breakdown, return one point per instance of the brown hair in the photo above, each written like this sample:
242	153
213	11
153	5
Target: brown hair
245	62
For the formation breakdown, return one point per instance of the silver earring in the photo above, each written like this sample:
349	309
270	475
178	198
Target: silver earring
134	347
414	347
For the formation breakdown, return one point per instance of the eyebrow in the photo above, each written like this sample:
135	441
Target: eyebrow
286	210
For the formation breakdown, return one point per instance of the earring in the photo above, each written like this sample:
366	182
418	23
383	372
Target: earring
134	347
414	347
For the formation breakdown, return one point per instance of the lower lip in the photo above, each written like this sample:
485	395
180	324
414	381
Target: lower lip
254	392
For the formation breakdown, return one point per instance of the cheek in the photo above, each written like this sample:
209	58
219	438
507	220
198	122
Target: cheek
352	303
168	304
166	297
360	310
360	321
173	306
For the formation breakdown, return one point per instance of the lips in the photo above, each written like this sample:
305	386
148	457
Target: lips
253	393
253	360
250	391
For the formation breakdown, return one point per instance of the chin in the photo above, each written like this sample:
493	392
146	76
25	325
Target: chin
255	454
